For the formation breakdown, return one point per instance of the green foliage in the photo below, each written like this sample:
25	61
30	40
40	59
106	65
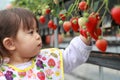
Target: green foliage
38	6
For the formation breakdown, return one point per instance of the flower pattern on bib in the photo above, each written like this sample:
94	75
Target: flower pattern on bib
47	65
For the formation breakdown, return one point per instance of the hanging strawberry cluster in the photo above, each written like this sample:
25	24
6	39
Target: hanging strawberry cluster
88	25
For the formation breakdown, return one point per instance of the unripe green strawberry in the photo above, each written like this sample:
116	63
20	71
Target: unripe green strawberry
60	22
82	21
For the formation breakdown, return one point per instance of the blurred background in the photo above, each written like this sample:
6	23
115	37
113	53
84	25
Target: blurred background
4	3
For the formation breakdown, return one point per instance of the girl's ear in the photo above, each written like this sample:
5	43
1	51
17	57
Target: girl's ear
8	43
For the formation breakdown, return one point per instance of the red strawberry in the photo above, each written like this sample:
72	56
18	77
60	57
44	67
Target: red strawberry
41	75
74	24
54	27
50	24
98	31
101	44
91	24
94	35
97	16
66	26
47	39
47	11
51	62
115	13
42	19
83	5
62	17
83	32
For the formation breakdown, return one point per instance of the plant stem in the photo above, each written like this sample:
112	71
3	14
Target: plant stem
102	18
91	6
72	7
88	1
101	6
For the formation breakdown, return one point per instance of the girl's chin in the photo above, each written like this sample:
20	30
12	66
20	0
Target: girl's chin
38	52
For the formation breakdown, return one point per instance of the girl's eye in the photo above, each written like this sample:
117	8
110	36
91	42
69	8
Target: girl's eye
31	32
37	31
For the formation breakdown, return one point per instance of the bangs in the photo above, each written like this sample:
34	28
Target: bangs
27	18
28	23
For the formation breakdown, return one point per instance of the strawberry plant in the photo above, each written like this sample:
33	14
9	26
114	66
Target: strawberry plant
83	16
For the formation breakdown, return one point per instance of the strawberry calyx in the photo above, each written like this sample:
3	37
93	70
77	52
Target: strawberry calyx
74	21
100	37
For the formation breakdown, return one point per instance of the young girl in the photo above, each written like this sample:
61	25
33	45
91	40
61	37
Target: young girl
21	56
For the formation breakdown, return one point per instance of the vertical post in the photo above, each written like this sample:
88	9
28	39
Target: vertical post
101	73
56	33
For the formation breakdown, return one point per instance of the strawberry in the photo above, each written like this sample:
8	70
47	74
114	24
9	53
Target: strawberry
47	39
50	24
74	24
98	31
82	21
54	27
42	19
47	11
101	44
94	35
83	32
91	24
60	22
62	17
115	13
83	5
67	26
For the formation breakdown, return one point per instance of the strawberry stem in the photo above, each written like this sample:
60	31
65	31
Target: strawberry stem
106	6
100	37
92	4
101	6
103	16
88	1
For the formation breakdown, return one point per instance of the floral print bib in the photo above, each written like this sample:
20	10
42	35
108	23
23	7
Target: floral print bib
48	65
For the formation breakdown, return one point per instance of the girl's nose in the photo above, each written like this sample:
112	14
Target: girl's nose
37	36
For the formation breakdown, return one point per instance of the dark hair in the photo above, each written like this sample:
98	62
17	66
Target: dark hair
10	22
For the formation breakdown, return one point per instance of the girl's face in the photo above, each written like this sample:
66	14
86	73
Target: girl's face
28	42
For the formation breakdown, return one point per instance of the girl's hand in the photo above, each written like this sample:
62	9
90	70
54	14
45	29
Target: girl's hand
85	40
